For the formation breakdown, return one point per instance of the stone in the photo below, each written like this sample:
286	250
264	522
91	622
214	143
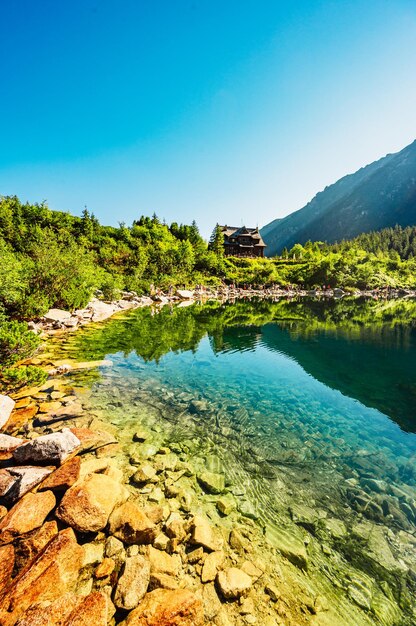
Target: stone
157	513
156	495
7	481
48	613
57	315
113	547
63	477
49	407
195	556
212	564
93	553
28	547
6	408
88	504
212	603
272	591
161	542
6	564
252	570
53	573
185	294
131	525
24	479
162	581
145	474
20	418
9	443
233	583
93	438
29	513
67	412
93	466
203	534
52	449
211	482
175	527
226	504
163	563
164	607
105	568
93	609
247	606
133	583
141	435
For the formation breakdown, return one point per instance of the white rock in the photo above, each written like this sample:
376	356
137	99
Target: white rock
8	443
53	448
6	407
185	294
26	478
57	315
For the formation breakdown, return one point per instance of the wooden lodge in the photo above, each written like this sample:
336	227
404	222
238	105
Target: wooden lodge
243	242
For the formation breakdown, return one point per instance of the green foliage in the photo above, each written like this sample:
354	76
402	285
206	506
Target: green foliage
13	378
49	258
216	243
17	342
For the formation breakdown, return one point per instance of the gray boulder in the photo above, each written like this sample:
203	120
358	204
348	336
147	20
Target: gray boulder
53	448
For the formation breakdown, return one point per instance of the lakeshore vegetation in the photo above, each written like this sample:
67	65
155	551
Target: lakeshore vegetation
52	258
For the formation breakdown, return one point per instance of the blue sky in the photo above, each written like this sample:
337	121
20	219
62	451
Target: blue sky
235	111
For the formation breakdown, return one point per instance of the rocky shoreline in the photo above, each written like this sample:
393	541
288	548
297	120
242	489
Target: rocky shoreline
91	537
99	310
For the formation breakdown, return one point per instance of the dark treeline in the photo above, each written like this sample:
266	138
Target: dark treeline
395	239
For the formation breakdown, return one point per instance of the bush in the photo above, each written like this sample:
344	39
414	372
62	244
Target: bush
111	286
13	378
17	342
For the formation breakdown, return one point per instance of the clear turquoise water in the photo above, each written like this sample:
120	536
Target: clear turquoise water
296	402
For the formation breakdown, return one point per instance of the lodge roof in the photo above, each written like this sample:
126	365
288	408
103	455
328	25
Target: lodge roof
232	234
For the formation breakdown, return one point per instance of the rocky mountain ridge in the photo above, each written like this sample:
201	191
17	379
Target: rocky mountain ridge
379	195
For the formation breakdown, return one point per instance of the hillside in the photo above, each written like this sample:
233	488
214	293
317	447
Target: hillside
377	196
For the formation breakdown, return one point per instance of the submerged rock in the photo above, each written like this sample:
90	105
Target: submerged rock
212	564
233	583
87	505
131	525
211	482
203	534
133	582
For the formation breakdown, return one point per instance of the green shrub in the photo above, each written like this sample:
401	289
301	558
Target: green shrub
13	378
17	342
111	286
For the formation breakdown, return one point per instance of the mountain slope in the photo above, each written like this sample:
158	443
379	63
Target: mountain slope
379	195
